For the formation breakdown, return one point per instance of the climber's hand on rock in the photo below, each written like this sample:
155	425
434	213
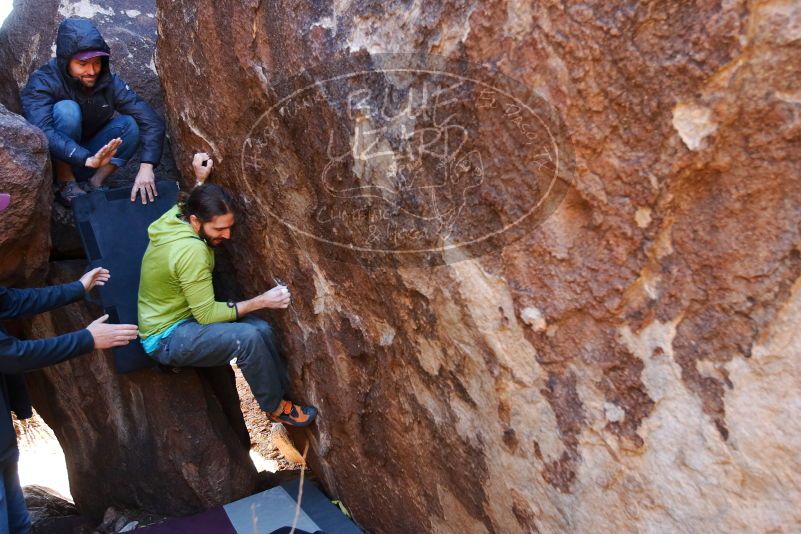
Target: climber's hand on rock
107	335
277	298
202	172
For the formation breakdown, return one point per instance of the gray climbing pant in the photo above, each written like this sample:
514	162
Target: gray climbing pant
250	341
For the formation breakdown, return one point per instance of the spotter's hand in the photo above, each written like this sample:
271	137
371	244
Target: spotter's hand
104	155
96	277
145	184
107	335
202	164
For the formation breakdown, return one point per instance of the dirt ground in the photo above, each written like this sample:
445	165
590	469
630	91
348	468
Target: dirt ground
267	439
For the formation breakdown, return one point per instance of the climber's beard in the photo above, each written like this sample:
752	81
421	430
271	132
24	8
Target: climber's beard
210	241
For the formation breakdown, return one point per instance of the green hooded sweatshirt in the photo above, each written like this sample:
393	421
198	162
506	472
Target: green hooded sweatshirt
175	283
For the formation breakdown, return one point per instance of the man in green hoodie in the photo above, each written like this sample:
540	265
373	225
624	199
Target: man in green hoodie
181	323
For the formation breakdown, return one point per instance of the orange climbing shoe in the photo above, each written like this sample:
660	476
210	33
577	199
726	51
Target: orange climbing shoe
294	414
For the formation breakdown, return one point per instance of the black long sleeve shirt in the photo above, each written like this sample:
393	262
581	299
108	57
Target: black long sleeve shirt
18	355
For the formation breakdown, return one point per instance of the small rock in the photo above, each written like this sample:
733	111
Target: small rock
643	217
120	523
111	521
533	317
46	501
613	412
693	123
130	526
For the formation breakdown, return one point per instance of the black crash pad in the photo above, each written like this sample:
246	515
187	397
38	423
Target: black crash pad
114	234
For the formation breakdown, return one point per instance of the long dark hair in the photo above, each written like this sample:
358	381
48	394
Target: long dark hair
205	202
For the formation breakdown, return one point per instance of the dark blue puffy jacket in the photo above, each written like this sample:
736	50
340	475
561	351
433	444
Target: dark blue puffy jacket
18	356
51	83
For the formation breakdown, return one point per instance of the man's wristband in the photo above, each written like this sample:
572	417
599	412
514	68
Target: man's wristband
232	304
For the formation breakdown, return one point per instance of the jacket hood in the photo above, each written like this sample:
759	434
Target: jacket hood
169	228
78	35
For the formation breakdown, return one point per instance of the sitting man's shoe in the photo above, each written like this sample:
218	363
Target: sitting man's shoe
89	188
68	192
294	414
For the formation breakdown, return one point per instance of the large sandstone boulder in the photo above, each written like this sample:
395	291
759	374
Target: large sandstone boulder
165	442
627	359
24	167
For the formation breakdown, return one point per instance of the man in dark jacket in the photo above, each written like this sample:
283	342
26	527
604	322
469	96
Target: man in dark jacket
18	356
73	98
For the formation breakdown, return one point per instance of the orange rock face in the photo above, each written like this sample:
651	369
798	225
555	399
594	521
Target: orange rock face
622	359
24	168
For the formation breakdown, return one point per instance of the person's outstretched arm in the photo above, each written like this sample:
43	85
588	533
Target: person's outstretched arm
18	355
20	302
151	126
194	275
151	135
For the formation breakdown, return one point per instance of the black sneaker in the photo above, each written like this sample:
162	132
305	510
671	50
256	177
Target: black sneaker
68	192
89	188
